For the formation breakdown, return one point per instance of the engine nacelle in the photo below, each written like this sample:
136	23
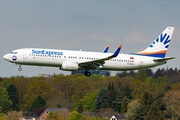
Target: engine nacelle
69	66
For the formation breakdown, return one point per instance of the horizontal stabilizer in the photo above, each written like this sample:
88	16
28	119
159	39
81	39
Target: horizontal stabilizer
163	59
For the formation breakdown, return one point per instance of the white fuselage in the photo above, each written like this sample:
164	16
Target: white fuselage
55	58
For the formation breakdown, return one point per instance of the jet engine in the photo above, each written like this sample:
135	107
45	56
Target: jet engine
69	66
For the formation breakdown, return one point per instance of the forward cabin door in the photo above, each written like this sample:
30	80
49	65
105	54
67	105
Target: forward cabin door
25	54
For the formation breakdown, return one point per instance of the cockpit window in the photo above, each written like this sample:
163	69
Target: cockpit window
13	52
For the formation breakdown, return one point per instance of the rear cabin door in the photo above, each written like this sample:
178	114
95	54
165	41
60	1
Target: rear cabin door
141	62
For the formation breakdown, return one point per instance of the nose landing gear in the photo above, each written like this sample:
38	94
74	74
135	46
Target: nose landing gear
20	69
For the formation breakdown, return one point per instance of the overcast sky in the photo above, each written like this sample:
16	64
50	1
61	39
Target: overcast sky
87	25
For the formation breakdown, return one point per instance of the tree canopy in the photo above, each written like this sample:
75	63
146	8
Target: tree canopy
138	95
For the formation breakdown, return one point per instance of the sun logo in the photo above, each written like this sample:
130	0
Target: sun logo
161	39
14	58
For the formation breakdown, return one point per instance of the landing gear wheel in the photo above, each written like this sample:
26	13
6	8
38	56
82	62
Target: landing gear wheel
20	69
87	73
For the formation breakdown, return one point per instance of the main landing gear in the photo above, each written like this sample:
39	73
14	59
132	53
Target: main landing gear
87	73
20	69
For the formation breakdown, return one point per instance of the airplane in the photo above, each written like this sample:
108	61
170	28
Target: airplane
69	60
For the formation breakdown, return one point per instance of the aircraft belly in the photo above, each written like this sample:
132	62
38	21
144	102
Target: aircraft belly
41	62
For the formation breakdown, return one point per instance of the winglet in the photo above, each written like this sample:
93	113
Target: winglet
117	51
106	49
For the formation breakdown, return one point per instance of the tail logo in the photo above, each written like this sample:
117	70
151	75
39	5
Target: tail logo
162	39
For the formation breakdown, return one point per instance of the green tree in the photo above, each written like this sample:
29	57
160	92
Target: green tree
91	118
141	75
124	104
5	102
146	101
53	116
80	108
112	95
149	72
3	117
36	88
131	114
128	92
159	72
102	100
137	109
138	87
13	95
154	113
131	73
123	92
122	74
38	102
171	99
14	115
21	83
74	115
89	100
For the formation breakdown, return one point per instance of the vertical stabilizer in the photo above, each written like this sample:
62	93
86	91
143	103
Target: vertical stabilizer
159	46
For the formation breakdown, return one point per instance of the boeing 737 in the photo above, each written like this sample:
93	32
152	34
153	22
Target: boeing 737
70	60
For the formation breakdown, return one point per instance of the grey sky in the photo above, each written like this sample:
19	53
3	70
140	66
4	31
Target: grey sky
84	24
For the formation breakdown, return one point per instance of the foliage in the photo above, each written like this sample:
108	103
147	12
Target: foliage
53	116
176	86
151	91
124	104
36	88
64	115
3	117
155	113
133	106
13	95
141	75
138	87
14	115
74	115
89	100
80	108
38	103
105	112
123	74
171	100
123	91
5	102
111	95
91	118
102	100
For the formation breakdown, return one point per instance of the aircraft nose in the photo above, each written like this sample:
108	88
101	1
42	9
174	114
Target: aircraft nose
6	56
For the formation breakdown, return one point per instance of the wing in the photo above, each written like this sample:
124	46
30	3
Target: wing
95	64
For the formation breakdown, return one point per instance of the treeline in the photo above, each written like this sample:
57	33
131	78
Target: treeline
139	95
